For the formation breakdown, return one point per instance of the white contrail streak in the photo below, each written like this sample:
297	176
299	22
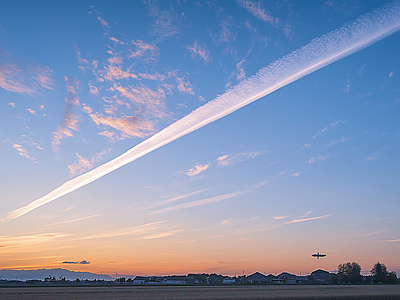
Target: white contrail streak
320	52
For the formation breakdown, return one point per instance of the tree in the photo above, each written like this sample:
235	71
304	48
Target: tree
381	274
350	272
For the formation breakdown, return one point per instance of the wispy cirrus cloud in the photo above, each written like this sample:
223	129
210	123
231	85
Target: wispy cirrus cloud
22	78
21	150
152	230
170	200
319	157
18	242
376	155
201	51
258	11
197	169
307	219
233	158
102	22
342	140
128	126
347	87
143	51
390	241
85	164
165	21
201	202
70	119
279	218
334	124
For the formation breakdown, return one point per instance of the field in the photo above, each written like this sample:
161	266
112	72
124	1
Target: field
361	292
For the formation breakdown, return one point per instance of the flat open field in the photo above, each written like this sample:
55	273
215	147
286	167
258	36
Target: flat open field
364	292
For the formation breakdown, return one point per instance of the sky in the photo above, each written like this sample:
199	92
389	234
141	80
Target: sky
309	167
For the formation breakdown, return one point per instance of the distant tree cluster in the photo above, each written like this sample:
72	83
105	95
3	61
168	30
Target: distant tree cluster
381	275
350	272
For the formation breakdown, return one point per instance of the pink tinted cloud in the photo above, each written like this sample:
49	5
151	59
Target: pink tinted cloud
84	164
26	79
129	126
70	119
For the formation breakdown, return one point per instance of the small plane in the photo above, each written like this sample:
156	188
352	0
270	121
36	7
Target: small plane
317	255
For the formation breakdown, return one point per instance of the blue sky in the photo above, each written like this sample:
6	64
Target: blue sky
310	167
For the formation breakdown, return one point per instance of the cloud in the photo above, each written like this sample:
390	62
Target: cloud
307	219
174	199
83	262
334	124
84	164
261	184
347	88
258	11
342	140
19	242
150	101
102	21
319	157
241	74
70	119
296	174
155	76
115	40
93	90
164	24
129	126
279	218
144	50
391	74
114	71
320	52
201	202
390	241
21	150
32	111
256	35
362	69
201	51
376	155
144	229
197	169
21	78
231	159
307	213
11	104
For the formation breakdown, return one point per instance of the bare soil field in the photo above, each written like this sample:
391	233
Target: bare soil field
352	292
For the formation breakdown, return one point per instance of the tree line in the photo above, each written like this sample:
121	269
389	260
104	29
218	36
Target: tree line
350	272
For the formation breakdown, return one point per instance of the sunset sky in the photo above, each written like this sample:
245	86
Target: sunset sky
313	166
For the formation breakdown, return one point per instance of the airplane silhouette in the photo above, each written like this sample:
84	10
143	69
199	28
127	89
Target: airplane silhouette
317	255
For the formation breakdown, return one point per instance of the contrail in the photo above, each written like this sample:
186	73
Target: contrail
320	52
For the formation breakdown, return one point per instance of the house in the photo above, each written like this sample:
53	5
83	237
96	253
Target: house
179	280
285	278
214	279
139	280
323	277
257	278
229	280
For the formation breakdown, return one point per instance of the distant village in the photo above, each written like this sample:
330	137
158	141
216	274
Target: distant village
348	273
